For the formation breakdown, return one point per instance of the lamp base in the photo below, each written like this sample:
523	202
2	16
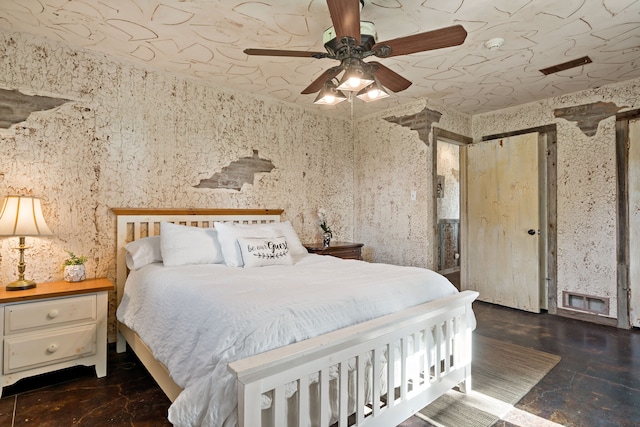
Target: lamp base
20	285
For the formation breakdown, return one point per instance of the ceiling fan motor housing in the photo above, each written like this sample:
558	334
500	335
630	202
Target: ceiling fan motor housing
334	46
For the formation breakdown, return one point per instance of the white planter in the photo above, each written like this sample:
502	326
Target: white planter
74	273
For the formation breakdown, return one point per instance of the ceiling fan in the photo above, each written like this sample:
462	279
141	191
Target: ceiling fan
350	41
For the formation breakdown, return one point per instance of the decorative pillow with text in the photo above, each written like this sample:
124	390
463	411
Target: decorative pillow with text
228	234
262	251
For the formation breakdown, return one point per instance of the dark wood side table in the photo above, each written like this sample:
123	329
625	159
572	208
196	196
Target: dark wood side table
344	250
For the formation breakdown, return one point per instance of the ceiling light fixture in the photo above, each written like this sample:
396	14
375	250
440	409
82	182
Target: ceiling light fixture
329	95
351	40
358	80
373	92
355	77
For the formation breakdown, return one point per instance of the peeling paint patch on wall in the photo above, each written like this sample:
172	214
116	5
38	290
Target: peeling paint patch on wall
588	116
239	172
420	122
15	106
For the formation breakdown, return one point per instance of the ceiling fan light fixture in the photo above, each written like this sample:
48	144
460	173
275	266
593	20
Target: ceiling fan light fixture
373	92
355	78
329	95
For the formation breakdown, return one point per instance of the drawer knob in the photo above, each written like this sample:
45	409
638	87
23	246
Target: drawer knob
52	348
53	313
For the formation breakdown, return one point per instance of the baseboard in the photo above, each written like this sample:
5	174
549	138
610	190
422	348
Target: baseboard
586	317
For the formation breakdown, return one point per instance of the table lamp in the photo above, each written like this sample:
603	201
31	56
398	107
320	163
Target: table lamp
21	216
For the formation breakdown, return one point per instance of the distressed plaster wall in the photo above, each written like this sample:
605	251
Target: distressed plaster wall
132	137
391	161
586	187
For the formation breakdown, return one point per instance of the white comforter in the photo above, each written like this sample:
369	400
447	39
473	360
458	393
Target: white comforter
198	318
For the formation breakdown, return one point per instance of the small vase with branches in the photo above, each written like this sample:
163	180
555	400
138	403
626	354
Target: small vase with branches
327	234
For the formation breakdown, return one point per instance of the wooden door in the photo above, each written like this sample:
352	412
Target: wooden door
634	222
503	221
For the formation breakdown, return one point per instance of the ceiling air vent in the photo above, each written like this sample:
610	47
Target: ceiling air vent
566	65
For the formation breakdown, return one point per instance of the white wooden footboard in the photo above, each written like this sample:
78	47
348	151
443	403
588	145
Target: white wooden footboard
432	347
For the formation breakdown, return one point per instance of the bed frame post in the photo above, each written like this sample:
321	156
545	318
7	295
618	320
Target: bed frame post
121	273
466	385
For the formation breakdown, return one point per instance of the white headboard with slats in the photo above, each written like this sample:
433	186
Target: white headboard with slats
136	223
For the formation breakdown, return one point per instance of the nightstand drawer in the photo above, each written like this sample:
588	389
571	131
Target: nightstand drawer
29	351
347	253
44	314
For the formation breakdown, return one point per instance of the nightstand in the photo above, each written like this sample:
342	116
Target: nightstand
344	250
53	326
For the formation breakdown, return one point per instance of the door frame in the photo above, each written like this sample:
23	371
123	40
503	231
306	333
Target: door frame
623	238
449	137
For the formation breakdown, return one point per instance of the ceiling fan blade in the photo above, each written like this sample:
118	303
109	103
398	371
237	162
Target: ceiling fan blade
390	79
276	52
345	15
436	39
317	84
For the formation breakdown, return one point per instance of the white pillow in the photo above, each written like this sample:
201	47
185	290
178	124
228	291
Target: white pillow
286	229
262	251
183	245
142	252
228	234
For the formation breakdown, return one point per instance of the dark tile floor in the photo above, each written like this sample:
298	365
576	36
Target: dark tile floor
596	384
127	396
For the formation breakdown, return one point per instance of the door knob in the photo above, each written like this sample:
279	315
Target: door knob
531	231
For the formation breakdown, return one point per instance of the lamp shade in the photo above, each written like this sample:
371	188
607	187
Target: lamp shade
22	216
373	92
329	95
356	77
354	81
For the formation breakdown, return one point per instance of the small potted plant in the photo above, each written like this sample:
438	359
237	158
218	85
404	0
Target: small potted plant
73	266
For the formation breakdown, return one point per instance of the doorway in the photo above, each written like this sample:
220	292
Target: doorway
448	207
448	161
633	178
628	230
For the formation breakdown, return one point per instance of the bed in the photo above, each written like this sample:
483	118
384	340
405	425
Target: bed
318	341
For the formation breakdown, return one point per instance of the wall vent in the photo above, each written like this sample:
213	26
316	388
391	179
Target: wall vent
586	303
566	65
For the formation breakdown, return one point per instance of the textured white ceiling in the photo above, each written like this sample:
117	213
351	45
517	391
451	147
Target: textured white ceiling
206	39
